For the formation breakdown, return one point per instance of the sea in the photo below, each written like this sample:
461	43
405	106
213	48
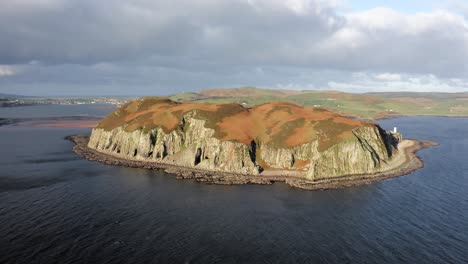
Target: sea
56	207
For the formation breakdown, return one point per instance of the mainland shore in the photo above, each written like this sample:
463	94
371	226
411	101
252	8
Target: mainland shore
404	163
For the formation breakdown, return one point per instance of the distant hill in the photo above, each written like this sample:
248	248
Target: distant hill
366	105
12	96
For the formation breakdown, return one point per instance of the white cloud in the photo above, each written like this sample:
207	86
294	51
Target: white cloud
284	41
297	7
382	39
458	6
388	77
6	71
420	83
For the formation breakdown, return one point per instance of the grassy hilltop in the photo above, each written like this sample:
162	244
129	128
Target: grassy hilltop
367	105
276	138
279	123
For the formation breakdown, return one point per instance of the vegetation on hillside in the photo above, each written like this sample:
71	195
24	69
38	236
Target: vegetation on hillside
370	105
278	123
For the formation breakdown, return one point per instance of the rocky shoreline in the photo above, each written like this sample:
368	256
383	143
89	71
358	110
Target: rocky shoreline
410	163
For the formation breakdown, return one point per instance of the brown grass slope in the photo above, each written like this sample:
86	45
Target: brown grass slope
279	123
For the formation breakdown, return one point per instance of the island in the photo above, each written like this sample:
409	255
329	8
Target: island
228	143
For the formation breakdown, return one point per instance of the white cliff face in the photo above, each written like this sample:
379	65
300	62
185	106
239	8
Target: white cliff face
193	145
365	152
286	158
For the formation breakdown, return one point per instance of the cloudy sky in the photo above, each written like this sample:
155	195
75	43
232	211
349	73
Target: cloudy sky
156	47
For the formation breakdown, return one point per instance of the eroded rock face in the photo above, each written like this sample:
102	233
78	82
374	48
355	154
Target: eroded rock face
191	145
365	152
194	145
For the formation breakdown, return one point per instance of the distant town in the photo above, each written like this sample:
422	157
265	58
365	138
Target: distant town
7	100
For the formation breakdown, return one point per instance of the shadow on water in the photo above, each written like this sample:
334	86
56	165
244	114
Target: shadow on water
51	160
14	183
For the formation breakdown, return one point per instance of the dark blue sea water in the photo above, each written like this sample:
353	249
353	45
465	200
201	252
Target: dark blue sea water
58	208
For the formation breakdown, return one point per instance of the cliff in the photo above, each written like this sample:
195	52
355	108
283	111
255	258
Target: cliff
310	143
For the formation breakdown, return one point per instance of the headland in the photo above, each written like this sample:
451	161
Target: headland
306	147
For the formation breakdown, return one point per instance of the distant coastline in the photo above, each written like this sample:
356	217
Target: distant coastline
376	105
390	116
406	162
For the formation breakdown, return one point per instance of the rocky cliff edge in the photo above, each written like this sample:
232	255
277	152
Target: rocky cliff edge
310	143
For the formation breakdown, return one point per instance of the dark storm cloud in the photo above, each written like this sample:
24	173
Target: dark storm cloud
239	42
94	31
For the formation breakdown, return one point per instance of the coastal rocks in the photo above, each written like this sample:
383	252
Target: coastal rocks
406	162
281	158
365	152
191	145
194	145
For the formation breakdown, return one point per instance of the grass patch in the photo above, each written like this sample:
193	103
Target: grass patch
281	124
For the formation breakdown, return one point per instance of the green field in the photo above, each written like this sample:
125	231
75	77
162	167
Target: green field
366	105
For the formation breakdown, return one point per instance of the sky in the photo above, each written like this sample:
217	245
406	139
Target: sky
161	47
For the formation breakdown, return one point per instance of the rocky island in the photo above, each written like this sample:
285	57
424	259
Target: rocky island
306	147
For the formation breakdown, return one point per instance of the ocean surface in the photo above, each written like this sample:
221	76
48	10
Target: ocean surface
58	208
